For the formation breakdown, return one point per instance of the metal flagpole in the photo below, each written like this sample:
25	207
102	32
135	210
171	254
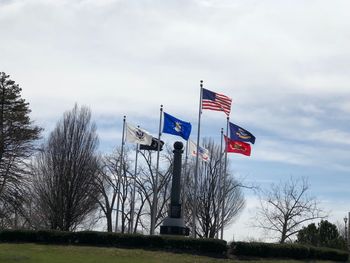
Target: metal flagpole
132	213
194	212
220	181
155	188
348	231
224	183
184	179
119	175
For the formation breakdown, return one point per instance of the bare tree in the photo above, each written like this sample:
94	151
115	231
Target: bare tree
125	192
286	207
65	171
17	137
114	188
107	181
145	184
342	229
209	195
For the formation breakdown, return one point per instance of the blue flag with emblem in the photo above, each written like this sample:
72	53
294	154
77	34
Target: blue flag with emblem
177	127
239	134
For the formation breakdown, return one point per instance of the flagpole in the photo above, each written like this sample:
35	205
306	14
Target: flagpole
133	193
220	180
184	179
119	175
224	183
155	188
196	168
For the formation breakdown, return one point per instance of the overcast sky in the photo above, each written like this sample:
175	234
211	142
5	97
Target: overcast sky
286	65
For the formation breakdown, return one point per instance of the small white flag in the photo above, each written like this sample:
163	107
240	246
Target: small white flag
137	135
203	153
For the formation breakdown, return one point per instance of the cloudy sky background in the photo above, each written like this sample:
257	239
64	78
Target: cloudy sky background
286	64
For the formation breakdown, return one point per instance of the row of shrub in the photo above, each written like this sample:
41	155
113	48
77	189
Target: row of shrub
293	251
211	247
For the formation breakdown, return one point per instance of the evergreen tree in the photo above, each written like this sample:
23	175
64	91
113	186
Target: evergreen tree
17	136
329	234
324	235
309	235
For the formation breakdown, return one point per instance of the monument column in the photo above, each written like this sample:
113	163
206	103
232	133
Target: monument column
174	223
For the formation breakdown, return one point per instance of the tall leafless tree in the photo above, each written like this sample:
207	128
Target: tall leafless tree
65	172
209	195
17	137
286	207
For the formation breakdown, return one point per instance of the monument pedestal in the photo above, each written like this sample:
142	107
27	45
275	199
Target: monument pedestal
174	224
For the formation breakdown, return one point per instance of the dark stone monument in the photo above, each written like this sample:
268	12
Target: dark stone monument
174	224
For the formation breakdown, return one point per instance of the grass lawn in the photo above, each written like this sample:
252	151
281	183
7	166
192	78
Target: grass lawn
33	253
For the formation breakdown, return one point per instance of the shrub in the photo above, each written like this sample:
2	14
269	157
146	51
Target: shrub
211	247
18	236
294	251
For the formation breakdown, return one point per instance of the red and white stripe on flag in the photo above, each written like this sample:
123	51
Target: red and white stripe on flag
217	102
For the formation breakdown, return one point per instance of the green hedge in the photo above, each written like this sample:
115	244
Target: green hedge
294	251
212	247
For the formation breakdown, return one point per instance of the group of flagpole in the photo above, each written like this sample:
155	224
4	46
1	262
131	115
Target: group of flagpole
155	184
236	143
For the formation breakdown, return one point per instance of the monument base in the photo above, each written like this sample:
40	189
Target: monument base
174	226
174	230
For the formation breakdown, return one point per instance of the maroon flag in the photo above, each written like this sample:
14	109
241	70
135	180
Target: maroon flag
237	147
216	101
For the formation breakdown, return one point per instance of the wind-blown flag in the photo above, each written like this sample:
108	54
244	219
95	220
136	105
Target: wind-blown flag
239	134
153	146
137	135
203	153
177	127
216	101
237	147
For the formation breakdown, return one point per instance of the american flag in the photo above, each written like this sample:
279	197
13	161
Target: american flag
216	101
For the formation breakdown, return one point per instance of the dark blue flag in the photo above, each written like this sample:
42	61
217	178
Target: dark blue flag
239	134
177	127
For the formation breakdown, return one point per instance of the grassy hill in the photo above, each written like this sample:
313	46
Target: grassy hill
33	253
